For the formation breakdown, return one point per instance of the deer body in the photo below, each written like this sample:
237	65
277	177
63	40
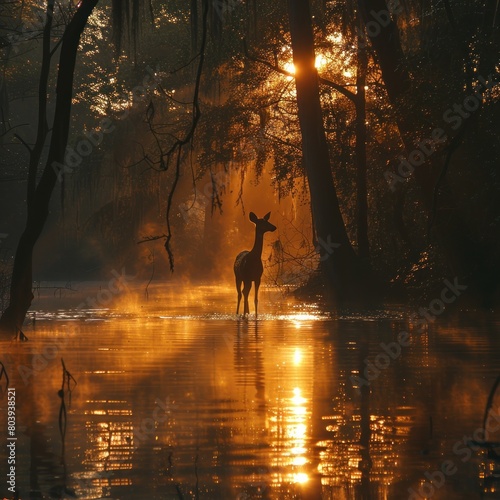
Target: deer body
248	264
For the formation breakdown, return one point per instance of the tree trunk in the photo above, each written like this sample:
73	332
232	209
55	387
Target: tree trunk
21	294
465	255
384	37
336	251
361	189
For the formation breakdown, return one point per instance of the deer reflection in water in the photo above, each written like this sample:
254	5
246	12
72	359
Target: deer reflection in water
248	264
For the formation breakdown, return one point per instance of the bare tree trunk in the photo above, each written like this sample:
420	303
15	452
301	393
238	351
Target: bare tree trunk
336	251
21	294
361	188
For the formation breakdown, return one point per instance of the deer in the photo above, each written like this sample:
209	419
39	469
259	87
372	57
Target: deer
248	264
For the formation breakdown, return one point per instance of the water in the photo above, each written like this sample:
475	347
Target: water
177	398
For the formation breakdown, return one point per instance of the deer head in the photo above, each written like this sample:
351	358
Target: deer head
262	225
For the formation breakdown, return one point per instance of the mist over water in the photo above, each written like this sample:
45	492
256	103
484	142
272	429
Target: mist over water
176	397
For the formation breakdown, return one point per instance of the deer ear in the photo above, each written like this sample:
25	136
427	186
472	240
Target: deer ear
266	217
253	218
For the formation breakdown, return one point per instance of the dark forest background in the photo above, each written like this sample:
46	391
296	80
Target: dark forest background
379	118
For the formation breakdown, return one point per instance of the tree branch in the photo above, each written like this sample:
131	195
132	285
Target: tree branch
152	238
25	144
180	143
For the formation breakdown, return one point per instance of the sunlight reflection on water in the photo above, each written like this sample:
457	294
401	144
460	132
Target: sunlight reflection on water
179	398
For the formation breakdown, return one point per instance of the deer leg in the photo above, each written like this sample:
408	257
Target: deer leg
256	300
247	285
238	289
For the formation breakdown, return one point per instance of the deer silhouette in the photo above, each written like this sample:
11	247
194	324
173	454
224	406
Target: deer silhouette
248	264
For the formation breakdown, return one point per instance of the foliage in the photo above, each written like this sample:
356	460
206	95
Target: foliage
249	130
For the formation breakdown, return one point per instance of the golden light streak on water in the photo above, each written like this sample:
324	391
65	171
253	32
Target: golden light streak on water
297	356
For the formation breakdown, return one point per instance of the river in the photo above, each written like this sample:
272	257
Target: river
172	396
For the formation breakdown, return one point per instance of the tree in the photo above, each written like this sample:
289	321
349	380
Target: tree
336	251
466	256
361	183
38	195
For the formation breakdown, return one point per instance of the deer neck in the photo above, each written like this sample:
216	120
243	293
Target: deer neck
257	246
